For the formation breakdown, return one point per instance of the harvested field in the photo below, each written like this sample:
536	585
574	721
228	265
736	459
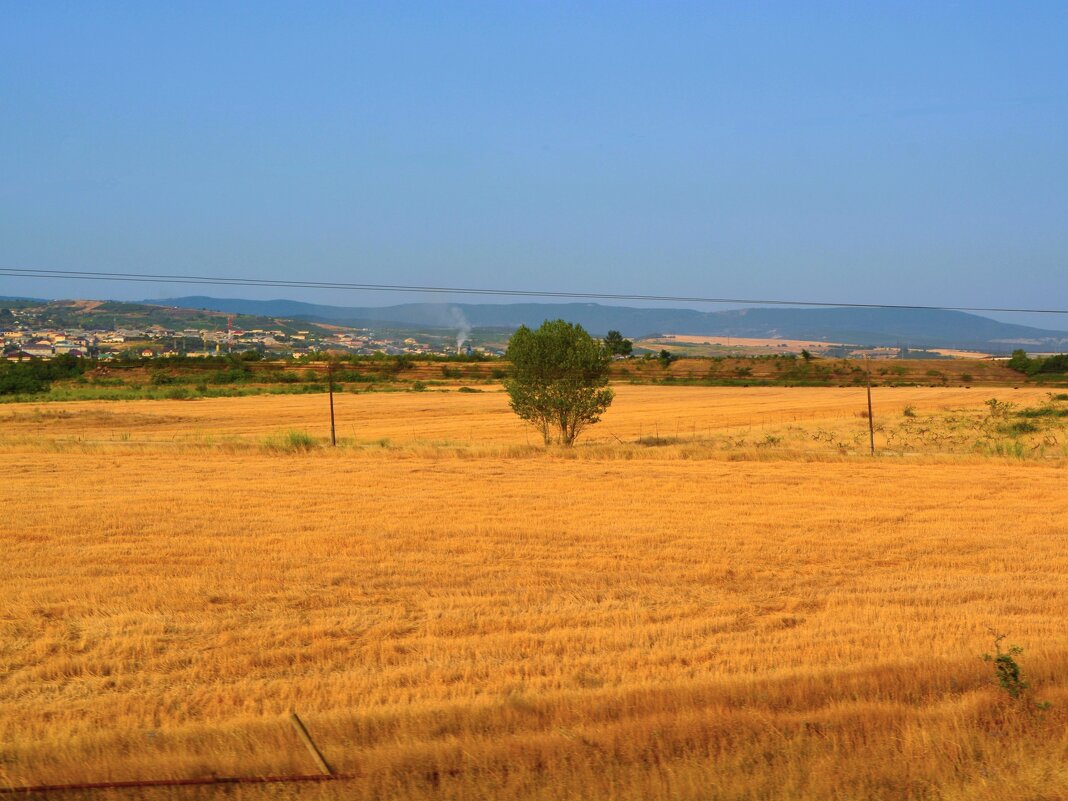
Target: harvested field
484	619
472	419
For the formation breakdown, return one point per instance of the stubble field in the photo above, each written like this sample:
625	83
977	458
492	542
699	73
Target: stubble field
685	612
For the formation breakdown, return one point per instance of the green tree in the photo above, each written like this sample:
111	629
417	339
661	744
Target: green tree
1020	361
558	380
618	346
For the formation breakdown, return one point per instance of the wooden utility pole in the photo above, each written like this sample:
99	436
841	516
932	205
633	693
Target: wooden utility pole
330	384
871	421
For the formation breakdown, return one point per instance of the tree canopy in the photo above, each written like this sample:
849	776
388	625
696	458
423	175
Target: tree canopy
618	346
558	380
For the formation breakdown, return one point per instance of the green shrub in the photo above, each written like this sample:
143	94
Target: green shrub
1013	449
35	376
1049	364
1020	427
292	442
1043	411
1007	672
999	408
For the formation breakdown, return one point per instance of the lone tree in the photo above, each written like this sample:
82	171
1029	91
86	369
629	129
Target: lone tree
618	346
559	378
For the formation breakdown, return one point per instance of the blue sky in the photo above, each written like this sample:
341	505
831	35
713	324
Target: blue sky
897	152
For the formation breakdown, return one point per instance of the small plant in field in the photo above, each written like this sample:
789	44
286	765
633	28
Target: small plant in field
1007	672
418	386
1021	427
999	408
291	442
908	411
299	441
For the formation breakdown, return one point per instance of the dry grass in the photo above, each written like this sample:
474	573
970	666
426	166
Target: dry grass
536	627
483	418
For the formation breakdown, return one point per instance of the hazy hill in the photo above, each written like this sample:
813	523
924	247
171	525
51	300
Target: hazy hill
98	314
917	328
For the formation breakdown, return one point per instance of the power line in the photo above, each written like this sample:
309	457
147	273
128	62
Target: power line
88	275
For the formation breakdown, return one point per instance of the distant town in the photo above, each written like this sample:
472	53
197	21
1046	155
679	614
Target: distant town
24	336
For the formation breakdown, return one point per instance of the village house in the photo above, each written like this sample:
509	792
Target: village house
41	349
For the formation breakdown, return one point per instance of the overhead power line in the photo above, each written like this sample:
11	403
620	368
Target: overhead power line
89	275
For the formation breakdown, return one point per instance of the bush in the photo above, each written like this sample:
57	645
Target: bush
666	357
1050	364
999	408
1006	671
292	442
21	382
1043	411
1020	427
908	411
36	376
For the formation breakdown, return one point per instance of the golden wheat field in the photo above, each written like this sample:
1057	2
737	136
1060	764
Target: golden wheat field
717	596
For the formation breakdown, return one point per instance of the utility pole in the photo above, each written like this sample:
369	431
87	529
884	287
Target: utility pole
871	422
330	385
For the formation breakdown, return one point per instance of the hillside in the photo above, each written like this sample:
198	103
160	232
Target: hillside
918	328
108	314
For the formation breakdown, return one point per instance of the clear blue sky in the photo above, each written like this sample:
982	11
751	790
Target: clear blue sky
900	152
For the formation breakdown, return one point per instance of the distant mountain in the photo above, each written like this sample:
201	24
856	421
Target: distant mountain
917	328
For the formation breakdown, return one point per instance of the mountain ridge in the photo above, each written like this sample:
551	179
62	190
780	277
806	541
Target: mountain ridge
868	326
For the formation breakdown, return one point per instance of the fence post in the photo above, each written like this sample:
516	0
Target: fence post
330	381
871	422
313	749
